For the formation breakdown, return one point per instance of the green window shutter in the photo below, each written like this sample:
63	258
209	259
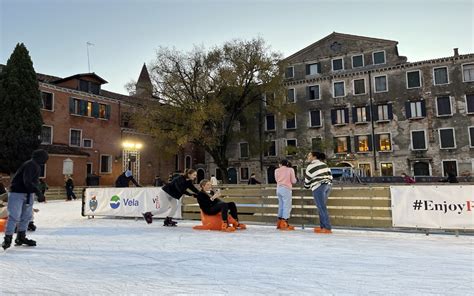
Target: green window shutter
95	110
71	105
107	111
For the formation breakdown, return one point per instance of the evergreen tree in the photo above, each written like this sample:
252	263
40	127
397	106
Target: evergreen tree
20	115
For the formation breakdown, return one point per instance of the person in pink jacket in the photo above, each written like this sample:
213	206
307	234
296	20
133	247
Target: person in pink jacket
285	178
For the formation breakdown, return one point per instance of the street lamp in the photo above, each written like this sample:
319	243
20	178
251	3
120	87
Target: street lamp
131	155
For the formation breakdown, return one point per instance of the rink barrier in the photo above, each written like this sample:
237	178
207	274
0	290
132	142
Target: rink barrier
347	206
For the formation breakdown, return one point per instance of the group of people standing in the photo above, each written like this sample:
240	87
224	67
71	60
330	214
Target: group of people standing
318	178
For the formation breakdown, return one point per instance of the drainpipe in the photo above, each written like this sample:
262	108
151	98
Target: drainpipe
374	150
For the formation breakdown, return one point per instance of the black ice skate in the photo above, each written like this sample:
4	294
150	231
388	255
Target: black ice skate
148	217
22	240
169	222
7	242
31	226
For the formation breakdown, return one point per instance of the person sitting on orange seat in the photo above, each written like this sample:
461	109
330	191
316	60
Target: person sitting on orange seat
210	204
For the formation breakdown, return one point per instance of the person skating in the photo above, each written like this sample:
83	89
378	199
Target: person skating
124	179
20	200
318	178
169	195
69	185
210	204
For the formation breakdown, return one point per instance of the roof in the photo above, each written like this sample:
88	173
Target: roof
78	76
63	150
334	35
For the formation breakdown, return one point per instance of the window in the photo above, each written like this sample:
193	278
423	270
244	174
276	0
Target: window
75	136
46	101
290	122
87	143
446	138
313	92
269	98
317	144
471	136
418	140
342	145
380	83
338	88
450	166
365	170
383	142
384	112
443	106
88	86
244	150
90	109
363	143
244	173
386	169
290	72
379	57
361	114
359	86
415	109
271	150
187	162
340	116
46	135
106	164
468	72
413	79
291	98
102	111
270	122
313	69
440	75
315	118
470	103
291	147
337	64
357	61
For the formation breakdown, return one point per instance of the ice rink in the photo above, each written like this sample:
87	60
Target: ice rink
80	256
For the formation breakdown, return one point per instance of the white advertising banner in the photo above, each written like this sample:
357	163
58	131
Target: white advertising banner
424	206
124	202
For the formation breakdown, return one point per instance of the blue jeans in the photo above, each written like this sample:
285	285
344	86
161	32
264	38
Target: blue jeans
19	212
284	202
320	196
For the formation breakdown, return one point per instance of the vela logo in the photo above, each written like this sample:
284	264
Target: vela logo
115	202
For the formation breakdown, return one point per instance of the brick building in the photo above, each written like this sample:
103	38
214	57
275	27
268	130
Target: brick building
90	128
367	107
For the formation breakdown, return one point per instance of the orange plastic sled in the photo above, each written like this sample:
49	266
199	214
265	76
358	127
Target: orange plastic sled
3	224
213	222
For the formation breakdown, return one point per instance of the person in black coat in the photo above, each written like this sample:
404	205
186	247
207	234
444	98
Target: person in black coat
169	195
124	179
69	185
21	197
210	204
253	180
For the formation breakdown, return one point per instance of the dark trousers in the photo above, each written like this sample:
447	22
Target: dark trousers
70	194
224	208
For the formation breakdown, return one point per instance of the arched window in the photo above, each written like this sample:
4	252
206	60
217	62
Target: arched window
187	162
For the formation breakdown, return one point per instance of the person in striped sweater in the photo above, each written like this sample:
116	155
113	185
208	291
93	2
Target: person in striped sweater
318	178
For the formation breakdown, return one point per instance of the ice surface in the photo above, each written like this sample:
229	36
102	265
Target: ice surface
80	256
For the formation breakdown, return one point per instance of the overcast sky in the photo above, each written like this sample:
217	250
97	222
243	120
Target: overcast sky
126	33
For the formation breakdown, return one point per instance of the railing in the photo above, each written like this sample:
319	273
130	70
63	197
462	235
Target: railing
367	206
58	193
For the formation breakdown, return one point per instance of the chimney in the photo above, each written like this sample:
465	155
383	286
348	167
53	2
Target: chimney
456	53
